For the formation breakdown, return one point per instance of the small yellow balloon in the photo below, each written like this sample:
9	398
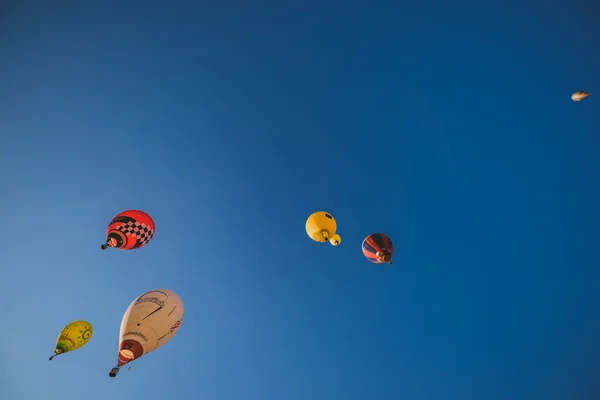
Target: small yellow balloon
321	226
73	336
335	240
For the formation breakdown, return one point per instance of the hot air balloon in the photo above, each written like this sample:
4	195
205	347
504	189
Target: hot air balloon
321	227
150	321
131	229
378	248
335	240
73	336
580	95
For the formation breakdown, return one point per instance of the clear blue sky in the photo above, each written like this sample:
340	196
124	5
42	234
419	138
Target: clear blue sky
449	128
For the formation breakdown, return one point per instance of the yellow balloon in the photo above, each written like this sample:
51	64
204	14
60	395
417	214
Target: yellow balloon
335	240
72	337
320	226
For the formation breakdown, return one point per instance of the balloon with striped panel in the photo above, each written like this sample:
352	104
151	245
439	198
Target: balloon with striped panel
378	248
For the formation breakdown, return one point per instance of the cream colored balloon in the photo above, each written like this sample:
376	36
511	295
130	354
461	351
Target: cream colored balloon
150	321
579	95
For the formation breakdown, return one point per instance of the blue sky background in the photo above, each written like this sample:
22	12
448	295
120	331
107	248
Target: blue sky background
449	128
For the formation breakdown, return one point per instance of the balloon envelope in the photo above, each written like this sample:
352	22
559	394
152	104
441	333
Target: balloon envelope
378	248
579	95
73	336
335	240
129	230
150	321
320	226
